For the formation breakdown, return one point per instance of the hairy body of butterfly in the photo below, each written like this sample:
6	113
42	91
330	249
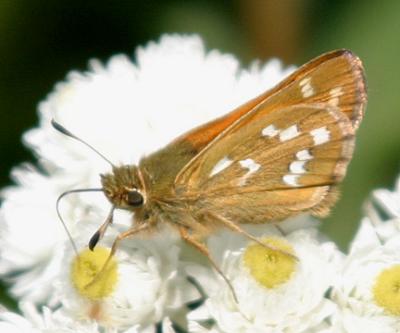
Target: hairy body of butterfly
278	155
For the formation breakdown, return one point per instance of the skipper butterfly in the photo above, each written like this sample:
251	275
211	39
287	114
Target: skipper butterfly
278	155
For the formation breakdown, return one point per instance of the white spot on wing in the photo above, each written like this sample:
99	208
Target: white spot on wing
221	165
336	92
291	180
334	96
320	135
305	81
304	155
252	167
297	167
306	87
289	133
270	131
250	164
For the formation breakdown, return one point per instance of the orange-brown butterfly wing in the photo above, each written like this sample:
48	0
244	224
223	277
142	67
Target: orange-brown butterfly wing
285	163
285	154
328	70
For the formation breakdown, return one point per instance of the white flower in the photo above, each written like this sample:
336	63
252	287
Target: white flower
287	296
126	110
367	292
148	285
384	206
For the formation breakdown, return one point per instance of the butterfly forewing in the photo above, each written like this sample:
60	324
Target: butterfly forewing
288	151
335	78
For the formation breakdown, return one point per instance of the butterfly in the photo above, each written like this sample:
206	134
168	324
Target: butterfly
280	154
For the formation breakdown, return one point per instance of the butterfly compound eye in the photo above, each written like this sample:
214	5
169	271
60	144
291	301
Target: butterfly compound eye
135	199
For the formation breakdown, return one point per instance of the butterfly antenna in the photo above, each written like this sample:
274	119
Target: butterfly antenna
64	131
62	195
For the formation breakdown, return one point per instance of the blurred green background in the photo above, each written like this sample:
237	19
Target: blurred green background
41	40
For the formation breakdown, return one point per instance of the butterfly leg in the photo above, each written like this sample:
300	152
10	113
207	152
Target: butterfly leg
234	227
202	248
127	234
123	235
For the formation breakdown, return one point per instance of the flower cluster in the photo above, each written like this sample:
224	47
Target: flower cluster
155	284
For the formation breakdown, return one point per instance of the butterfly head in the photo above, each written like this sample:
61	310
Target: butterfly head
124	188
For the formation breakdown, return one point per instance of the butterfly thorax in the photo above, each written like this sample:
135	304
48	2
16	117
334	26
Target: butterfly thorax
161	168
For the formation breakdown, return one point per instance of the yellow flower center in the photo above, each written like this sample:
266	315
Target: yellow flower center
386	290
90	277
269	267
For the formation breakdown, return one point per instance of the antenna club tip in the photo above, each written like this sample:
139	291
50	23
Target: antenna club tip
54	123
94	240
57	126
